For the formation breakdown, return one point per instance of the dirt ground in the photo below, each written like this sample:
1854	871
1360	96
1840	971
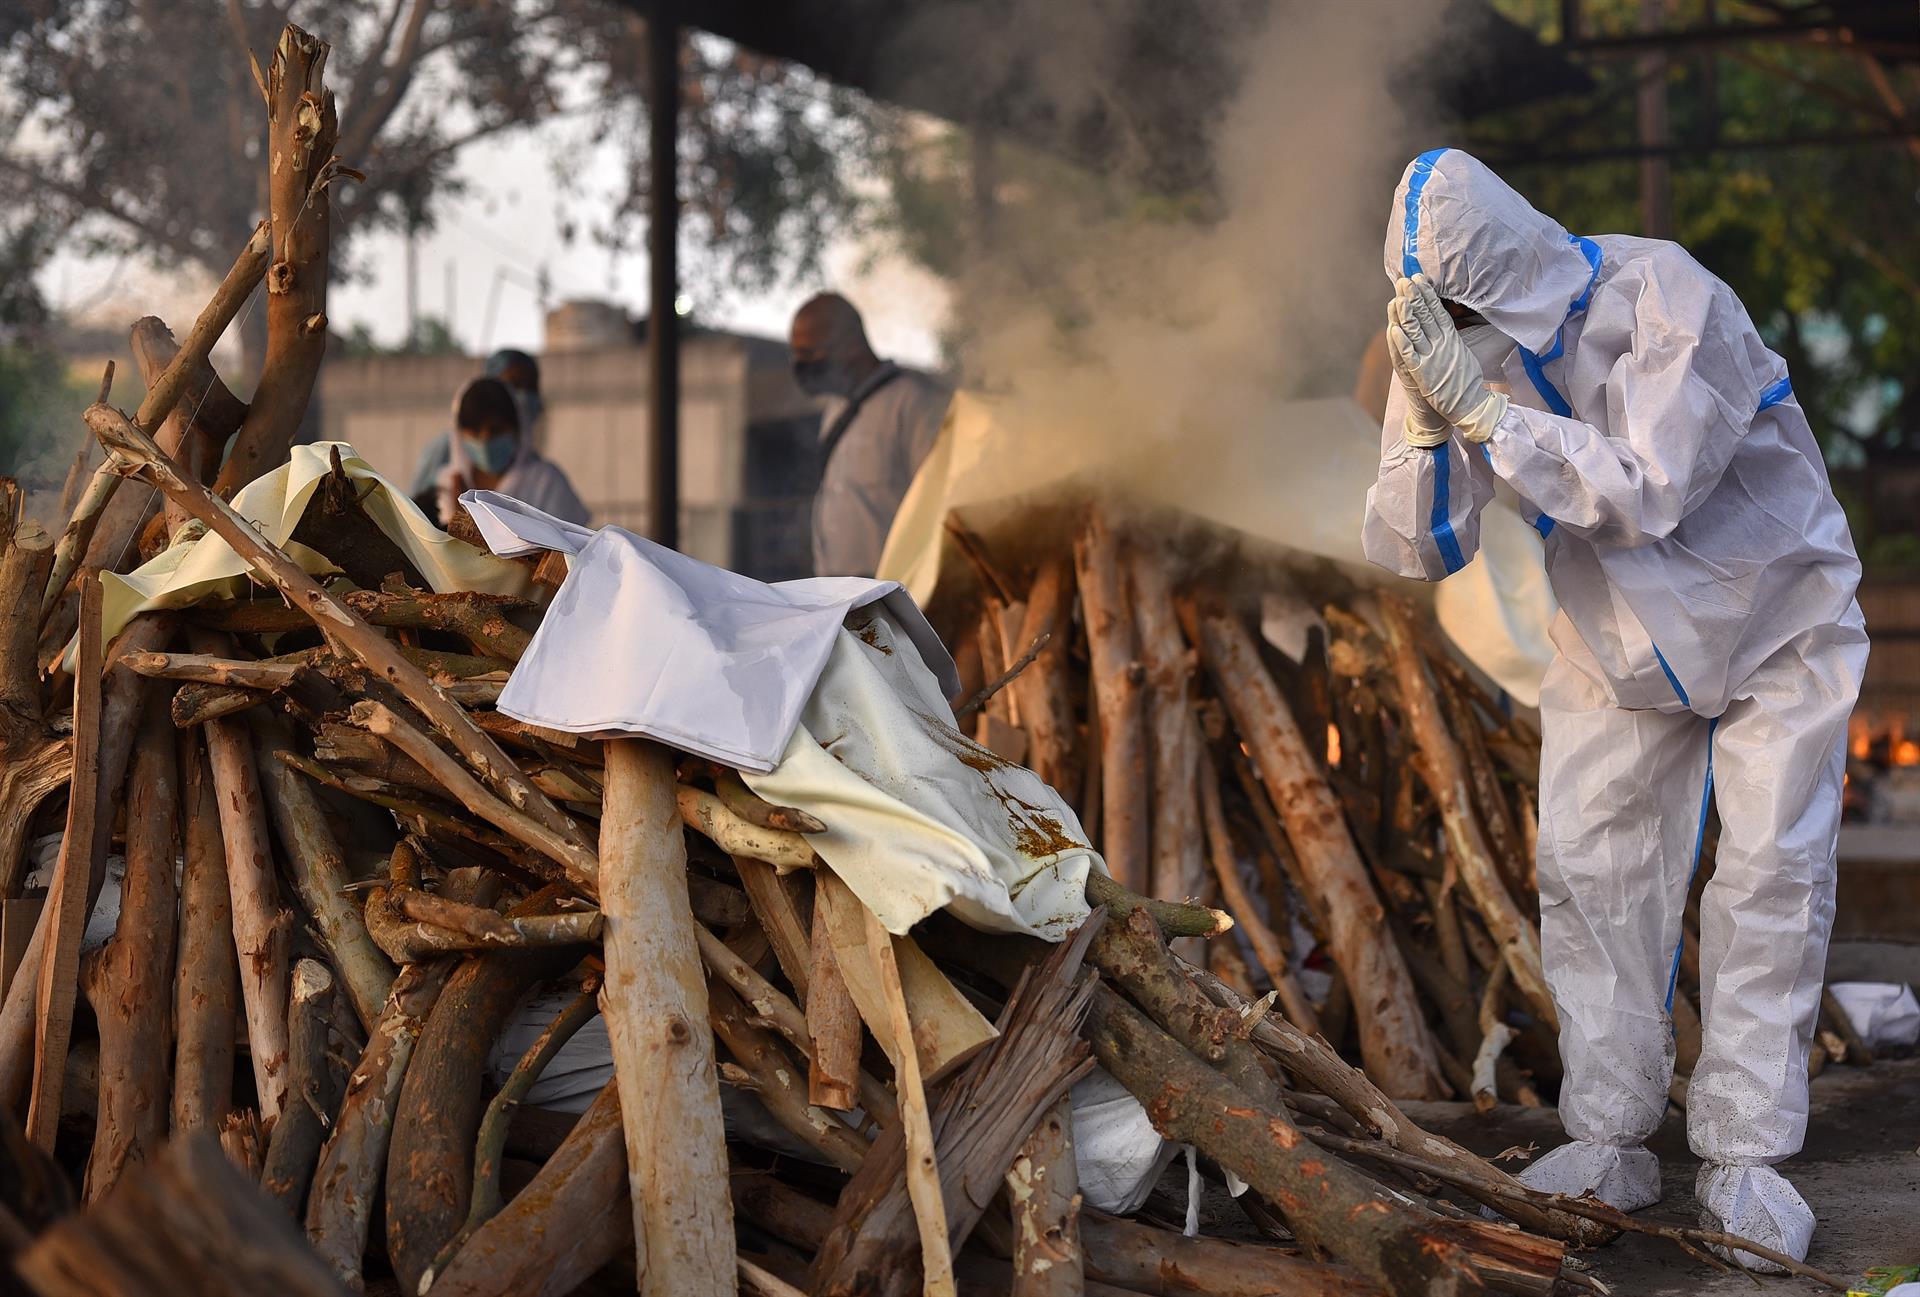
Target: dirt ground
1860	1171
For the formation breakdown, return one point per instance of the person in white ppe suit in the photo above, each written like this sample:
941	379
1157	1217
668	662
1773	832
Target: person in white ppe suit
1709	650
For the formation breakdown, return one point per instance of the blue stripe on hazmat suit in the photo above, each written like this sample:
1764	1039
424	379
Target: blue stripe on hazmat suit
1706	580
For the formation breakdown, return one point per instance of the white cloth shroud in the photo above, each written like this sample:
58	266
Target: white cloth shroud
200	565
1884	1013
849	724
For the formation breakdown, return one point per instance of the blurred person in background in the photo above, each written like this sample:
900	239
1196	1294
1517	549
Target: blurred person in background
490	451
521	374
879	423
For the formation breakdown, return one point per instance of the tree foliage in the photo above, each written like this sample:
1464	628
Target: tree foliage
136	124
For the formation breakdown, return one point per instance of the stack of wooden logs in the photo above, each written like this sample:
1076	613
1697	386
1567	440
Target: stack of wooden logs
343	872
1365	809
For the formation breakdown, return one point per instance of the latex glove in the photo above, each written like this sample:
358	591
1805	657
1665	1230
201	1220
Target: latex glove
1424	426
1427	347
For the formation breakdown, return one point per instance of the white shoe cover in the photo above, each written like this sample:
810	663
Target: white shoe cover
1624	1178
1755	1202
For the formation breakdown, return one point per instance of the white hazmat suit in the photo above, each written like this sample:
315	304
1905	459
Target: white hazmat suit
1709	650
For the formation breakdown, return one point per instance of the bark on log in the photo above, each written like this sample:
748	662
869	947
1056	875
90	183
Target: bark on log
1043	692
655	1002
1126	819
186	1222
1519	940
484	620
833	1023
1316	1067
82	853
259	929
1179	868
583	1185
430	1162
762	1066
1393	1036
33	761
301	132
130	979
318	868
1044	1186
354	1160
313	1090
774	903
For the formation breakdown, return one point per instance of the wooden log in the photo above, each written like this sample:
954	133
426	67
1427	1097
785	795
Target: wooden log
1402	1249
313	1090
1043	691
34	762
353	1161
737	836
778	910
1266	946
655	1002
1152	1260
1117	685
162	395
82	852
207	669
206	990
349	634
520	1253
130	979
947	1029
484	620
1393	1039
1178	837
430	1156
122	697
259	930
195	704
833	1023
1519	940
1044	1187
188	1221
1315	1066
762	1066
318	868
301	132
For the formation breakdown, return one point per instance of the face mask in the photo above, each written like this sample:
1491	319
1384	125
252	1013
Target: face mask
495	454
1489	346
530	406
819	378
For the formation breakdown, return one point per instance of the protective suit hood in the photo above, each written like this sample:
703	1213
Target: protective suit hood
1484	246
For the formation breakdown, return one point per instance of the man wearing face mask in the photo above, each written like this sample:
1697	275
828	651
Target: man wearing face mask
488	451
1709	651
879	424
521	375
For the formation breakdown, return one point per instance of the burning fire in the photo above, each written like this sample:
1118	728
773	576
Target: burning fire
1906	753
1867	740
1333	746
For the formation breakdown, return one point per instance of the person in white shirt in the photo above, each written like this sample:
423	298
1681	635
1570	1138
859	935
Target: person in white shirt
879	425
489	451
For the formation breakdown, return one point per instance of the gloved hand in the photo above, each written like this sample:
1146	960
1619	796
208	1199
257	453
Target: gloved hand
1427	348
1424	426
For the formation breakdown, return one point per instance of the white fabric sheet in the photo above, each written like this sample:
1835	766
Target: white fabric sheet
200	565
641	639
1884	1013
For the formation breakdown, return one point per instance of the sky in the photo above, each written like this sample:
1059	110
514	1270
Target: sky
486	257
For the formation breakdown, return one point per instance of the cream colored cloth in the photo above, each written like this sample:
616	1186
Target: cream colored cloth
919	817
200	565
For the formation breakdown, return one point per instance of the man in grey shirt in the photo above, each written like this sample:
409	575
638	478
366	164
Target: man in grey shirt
879	425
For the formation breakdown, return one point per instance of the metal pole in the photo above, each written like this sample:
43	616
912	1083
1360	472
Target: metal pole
663	272
1656	176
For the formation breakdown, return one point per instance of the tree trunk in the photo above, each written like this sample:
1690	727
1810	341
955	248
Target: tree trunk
655	1001
1519	939
1393	1033
131	977
206	990
1116	682
301	132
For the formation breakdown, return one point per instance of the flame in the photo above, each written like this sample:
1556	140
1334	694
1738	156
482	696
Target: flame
1859	738
1906	753
1333	746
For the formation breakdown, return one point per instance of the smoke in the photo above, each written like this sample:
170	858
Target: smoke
1104	313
